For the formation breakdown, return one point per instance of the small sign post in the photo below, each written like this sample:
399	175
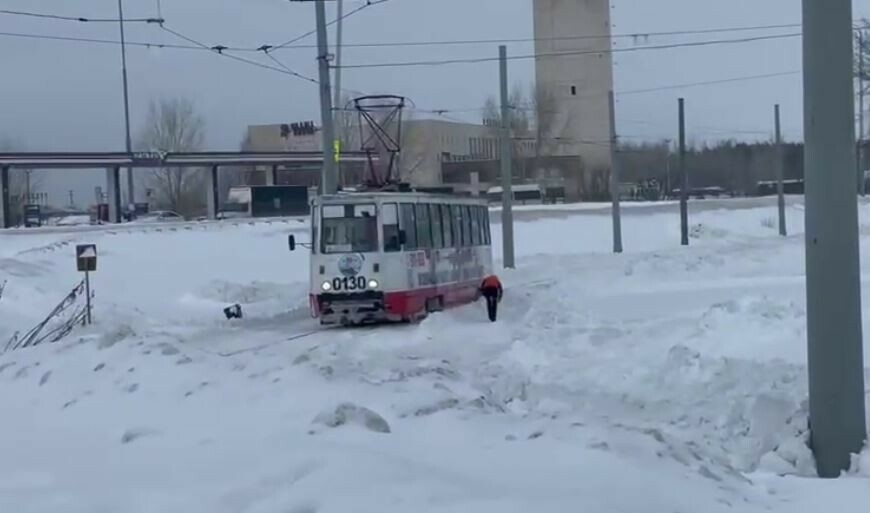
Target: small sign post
86	262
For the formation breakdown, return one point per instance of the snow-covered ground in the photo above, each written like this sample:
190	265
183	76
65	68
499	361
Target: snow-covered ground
666	379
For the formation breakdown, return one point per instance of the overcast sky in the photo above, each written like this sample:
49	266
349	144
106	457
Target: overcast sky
67	96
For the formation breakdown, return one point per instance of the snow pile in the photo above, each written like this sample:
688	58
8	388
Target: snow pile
663	379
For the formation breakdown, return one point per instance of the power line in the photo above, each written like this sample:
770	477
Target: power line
286	45
635	35
221	50
480	60
287	68
102	41
665	87
224	50
81	19
709	82
369	3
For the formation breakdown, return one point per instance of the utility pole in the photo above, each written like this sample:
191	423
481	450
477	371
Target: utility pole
860	152
507	195
834	334
780	192
338	107
328	180
5	220
614	178
684	178
131	198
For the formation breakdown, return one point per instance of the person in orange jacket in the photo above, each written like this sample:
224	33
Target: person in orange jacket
492	290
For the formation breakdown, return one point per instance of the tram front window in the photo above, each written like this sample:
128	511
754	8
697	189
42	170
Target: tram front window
349	229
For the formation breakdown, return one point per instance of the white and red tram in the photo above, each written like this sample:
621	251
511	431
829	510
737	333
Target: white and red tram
395	256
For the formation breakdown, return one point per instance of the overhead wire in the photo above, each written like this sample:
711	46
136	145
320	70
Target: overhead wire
666	87
566	53
80	19
221	50
266	49
369	3
635	36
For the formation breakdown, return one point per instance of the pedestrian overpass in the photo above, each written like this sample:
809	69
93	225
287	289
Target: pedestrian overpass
113	162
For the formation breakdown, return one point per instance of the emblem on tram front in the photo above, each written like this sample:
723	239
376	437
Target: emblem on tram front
350	265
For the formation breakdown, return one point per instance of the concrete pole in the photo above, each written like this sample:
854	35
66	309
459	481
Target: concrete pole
475	184
860	151
5	219
113	193
614	178
507	197
834	337
328	180
780	189
339	108
684	178
131	198
212	186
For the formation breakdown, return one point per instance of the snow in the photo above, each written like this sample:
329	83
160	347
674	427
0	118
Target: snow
663	379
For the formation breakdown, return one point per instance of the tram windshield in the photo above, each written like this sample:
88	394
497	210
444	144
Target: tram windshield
349	229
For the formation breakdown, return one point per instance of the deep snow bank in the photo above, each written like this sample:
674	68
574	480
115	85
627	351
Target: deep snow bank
664	379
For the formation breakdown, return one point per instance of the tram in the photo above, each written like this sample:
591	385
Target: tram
395	256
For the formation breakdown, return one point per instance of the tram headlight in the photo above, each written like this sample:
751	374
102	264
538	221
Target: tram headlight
326	286
373	284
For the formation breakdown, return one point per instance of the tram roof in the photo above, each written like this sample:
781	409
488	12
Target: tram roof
362	196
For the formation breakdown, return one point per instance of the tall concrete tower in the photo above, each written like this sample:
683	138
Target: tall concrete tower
577	81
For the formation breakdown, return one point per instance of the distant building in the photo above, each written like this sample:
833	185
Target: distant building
427	144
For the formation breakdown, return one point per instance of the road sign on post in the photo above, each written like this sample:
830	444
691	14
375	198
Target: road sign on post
86	257
86	262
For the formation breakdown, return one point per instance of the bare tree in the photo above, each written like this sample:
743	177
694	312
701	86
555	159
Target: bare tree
346	125
549	128
235	176
173	125
415	151
521	118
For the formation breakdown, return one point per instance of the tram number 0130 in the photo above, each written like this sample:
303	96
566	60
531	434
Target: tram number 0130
352	283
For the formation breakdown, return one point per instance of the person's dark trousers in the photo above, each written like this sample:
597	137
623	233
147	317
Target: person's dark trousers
491	296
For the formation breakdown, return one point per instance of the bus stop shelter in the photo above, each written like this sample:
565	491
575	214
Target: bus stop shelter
113	162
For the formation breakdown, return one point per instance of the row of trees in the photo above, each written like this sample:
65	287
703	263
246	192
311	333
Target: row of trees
733	165
536	128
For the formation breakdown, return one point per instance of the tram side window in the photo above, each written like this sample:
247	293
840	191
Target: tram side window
472	225
466	226
481	228
478	225
447	225
314	230
460	226
486	229
456	220
437	228
424	231
475	213
390	216
409	226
